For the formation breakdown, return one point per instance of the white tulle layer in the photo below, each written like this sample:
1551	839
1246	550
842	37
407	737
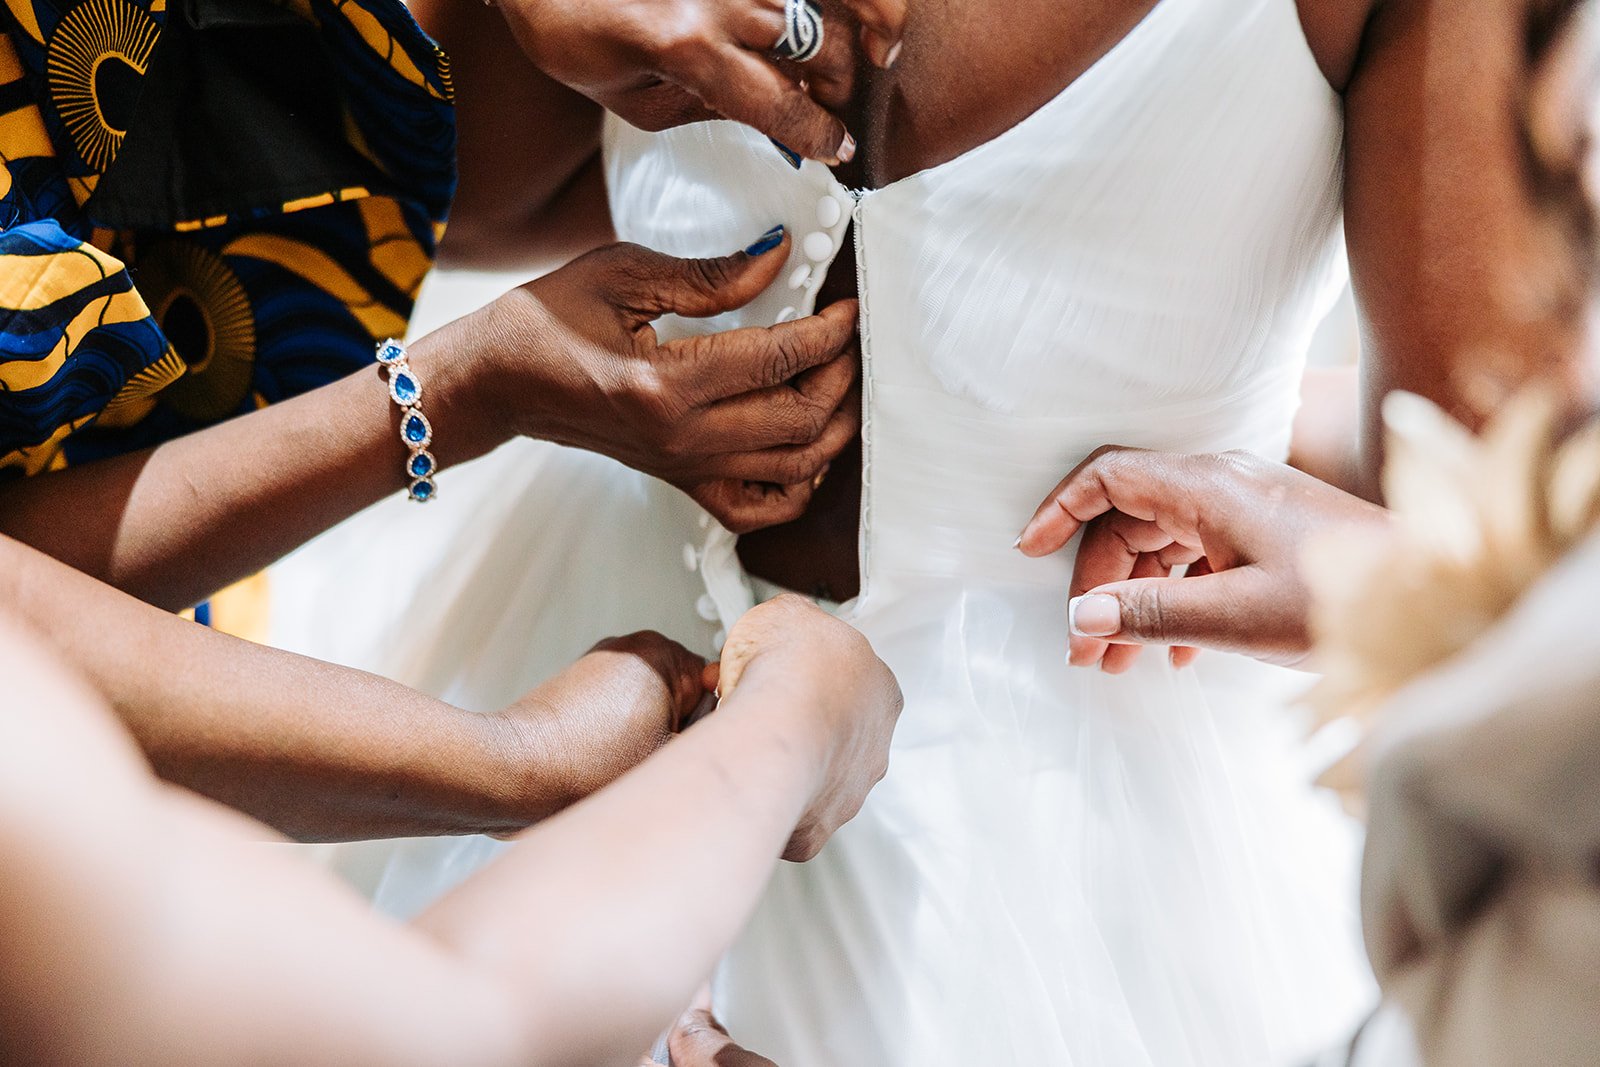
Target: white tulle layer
1062	868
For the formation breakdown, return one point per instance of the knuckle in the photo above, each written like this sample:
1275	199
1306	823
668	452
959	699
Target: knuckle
797	467
710	275
811	417
788	356
1144	614
682	32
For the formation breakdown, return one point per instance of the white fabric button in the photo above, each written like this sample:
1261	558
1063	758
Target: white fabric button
691	558
798	279
706	608
788	315
829	211
818	246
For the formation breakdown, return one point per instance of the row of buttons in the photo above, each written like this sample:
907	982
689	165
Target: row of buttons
818	247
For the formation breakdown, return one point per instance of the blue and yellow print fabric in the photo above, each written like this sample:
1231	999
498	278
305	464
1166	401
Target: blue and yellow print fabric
115	335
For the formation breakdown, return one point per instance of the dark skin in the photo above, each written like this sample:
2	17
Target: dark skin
1442	232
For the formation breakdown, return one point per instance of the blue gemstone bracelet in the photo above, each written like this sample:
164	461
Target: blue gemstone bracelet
416	433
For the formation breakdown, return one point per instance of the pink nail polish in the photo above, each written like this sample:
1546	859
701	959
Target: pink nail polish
847	149
893	57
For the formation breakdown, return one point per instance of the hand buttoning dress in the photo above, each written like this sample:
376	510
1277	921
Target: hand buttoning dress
1062	868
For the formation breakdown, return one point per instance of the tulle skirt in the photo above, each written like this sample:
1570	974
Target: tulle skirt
1062	868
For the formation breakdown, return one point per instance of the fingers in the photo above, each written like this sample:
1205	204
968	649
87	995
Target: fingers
797	414
1115	547
680	670
1232	611
1119	659
1145	485
745	507
651	284
796	464
741	361
830	78
698	1040
748	88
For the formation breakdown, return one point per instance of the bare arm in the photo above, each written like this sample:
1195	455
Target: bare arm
327	753
527	151
173	524
571	358
168	938
1464	280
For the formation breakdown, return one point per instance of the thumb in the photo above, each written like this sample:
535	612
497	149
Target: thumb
653	284
1243	610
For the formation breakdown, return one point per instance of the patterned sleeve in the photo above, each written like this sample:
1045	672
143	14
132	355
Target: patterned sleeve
165	266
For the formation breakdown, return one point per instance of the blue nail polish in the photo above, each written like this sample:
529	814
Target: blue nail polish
766	242
788	153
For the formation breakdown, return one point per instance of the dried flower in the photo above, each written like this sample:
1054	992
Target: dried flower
1479	520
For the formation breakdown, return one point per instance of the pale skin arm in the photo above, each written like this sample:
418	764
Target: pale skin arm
170	937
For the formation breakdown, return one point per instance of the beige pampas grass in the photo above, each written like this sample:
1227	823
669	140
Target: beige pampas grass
1478	521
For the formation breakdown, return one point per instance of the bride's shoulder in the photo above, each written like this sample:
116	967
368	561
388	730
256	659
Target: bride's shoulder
1344	33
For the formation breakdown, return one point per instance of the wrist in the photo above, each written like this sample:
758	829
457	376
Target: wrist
793	719
466	402
531	765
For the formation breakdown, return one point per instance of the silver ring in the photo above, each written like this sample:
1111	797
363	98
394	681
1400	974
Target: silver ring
802	32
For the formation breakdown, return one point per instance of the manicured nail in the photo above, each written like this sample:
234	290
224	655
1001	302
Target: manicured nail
1018	542
847	149
766	242
1094	615
894	56
788	153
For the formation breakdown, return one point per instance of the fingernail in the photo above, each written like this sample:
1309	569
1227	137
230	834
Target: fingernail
788	153
847	149
1018	542
894	56
1094	615
766	242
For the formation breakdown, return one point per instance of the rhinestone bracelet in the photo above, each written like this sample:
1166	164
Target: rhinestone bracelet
405	389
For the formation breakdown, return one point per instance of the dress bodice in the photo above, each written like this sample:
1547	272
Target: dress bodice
1142	261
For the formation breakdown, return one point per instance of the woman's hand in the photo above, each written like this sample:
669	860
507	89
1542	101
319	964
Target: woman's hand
845	704
602	716
699	1040
1237	521
742	421
664	63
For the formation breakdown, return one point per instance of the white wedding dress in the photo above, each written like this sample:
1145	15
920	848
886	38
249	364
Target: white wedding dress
1062	868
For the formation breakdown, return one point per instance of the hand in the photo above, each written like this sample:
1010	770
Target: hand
1237	521
664	63
602	716
843	699
698	1040
742	421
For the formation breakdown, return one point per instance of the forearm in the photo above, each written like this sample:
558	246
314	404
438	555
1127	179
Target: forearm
176	523
527	150
1470	277
603	920
320	752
